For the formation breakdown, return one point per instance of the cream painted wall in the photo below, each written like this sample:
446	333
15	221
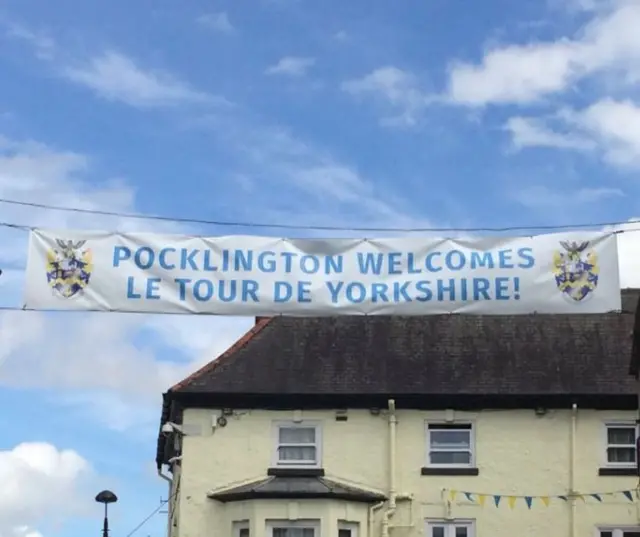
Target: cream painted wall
517	453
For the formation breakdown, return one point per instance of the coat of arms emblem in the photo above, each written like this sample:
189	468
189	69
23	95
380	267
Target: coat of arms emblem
69	268
576	270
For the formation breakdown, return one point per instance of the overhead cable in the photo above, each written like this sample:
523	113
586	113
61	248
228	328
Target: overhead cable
254	224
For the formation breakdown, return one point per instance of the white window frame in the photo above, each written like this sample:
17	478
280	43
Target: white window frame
353	527
617	531
450	526
306	424
618	424
239	526
311	523
469	426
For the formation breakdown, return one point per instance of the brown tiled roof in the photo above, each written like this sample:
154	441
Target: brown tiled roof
451	354
425	360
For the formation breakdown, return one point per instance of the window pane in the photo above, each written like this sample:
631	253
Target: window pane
621	435
297	453
244	532
606	533
627	455
461	531
344	533
630	534
450	457
293	532
450	439
297	435
437	531
299	532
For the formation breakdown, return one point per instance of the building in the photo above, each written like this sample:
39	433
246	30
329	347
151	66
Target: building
440	426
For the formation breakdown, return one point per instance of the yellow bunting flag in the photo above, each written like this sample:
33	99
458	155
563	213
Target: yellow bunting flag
512	501
452	494
481	499
545	500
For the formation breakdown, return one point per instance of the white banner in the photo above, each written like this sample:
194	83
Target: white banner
242	275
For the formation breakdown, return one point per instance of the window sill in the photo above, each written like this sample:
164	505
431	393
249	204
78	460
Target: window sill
449	471
631	471
296	472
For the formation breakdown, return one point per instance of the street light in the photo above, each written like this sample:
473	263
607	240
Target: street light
106	497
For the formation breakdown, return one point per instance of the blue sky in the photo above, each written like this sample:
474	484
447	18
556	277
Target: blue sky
362	113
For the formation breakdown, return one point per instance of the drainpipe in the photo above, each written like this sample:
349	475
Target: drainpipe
391	507
169	499
572	471
393	493
372	512
164	476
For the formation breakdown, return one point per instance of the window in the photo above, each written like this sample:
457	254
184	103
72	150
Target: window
621	444
297	444
454	528
241	529
288	528
347	529
450	445
619	532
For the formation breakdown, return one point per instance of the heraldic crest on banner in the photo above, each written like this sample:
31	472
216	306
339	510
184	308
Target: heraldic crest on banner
576	270
69	268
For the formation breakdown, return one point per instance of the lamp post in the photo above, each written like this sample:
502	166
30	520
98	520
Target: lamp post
106	497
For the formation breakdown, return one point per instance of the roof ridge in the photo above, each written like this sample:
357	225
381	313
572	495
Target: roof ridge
226	355
345	483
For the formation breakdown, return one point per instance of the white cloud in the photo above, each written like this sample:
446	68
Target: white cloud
112	75
95	352
532	132
105	354
520	74
116	77
397	88
616	127
44	46
579	6
41	485
608	126
515	74
291	66
542	197
219	22
322	190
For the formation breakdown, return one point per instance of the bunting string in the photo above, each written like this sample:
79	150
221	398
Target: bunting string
480	498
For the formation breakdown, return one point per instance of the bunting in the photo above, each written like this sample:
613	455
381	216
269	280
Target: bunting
480	498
